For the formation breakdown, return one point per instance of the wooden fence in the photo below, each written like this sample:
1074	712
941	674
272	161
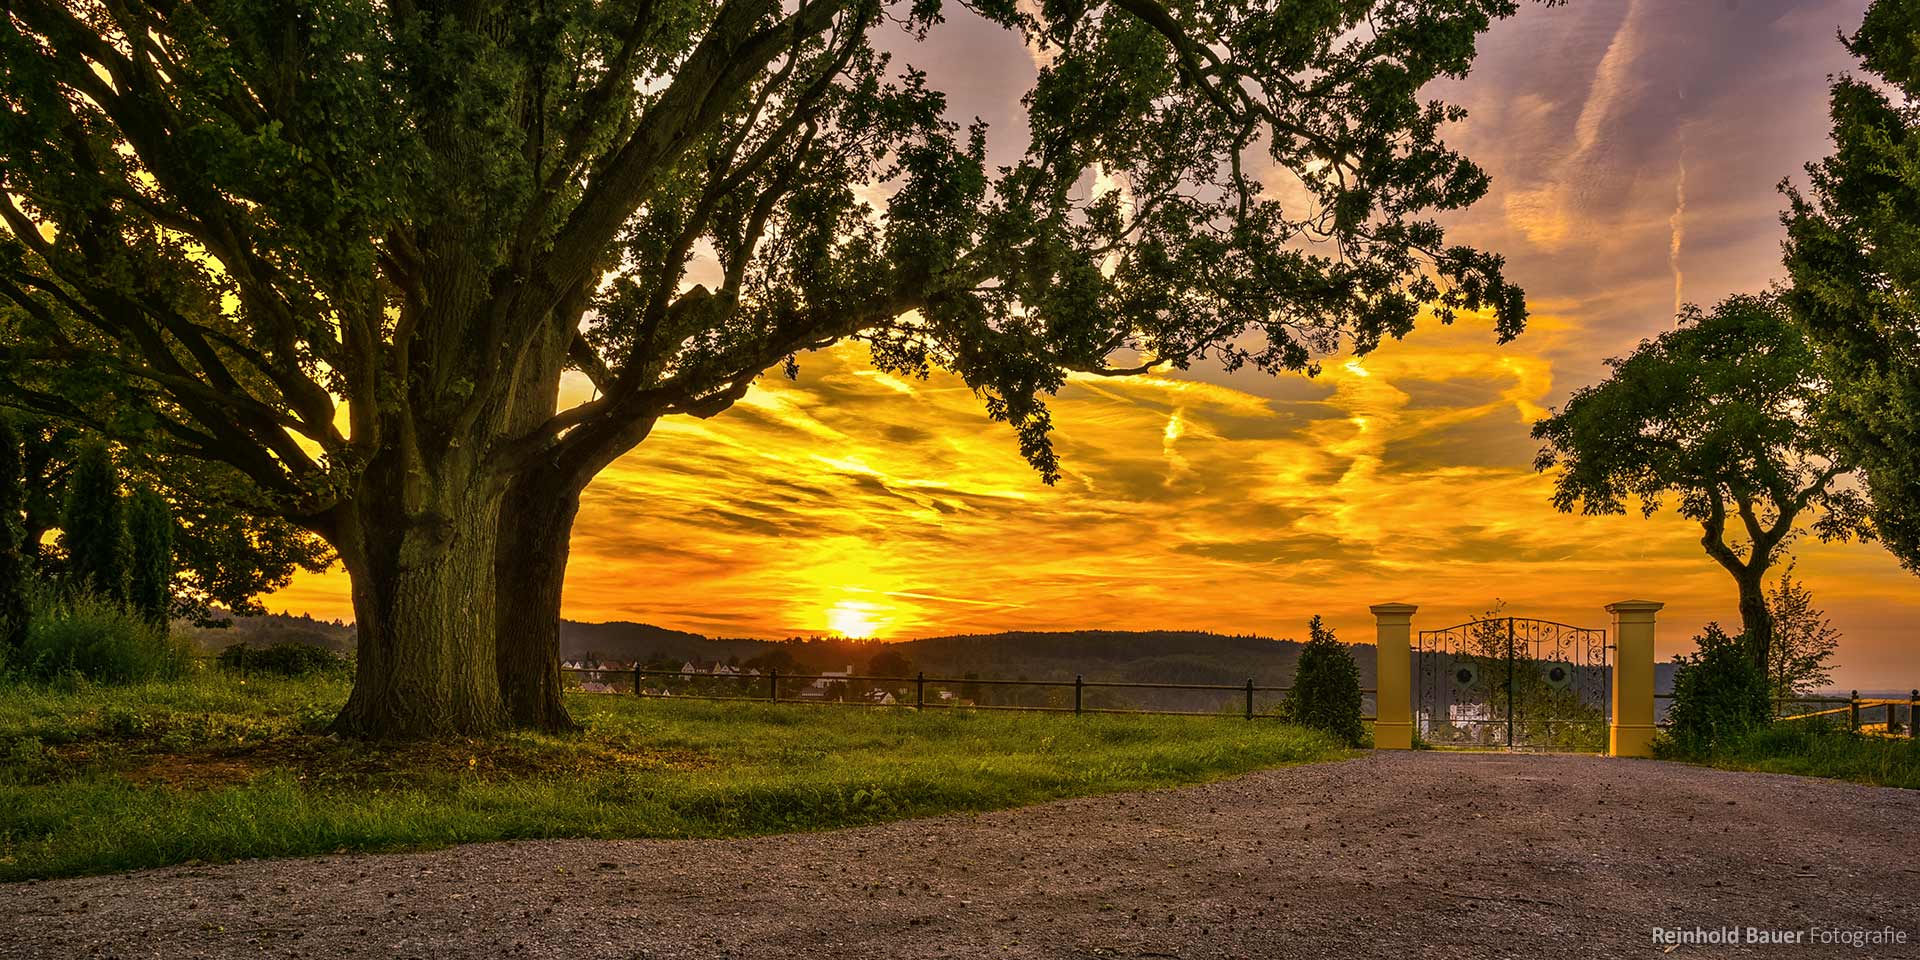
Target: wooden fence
1858	710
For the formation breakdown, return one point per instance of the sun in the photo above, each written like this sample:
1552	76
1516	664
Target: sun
856	620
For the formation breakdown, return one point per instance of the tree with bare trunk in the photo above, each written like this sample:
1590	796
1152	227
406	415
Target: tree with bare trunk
349	248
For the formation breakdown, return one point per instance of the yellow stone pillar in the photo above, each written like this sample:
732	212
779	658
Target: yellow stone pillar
1393	626
1631	733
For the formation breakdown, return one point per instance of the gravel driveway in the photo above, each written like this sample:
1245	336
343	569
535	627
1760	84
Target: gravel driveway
1401	855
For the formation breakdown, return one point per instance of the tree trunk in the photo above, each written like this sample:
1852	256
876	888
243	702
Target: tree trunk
1756	620
536	526
422	564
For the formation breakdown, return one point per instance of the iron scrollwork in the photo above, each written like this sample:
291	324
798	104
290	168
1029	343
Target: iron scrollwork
1513	682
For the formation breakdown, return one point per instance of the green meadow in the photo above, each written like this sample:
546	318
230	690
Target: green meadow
213	768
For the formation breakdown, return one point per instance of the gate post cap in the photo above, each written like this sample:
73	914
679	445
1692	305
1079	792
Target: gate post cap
1646	607
1389	610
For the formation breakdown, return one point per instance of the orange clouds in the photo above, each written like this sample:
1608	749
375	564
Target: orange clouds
860	504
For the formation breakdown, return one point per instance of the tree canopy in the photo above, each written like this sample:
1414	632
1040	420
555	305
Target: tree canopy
1853	251
348	249
1714	416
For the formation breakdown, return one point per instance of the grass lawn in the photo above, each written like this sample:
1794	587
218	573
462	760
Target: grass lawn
213	768
1817	749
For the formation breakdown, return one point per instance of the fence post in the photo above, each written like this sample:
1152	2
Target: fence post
1077	685
1393	675
1249	698
1853	711
773	685
1631	731
636	680
1913	715
920	691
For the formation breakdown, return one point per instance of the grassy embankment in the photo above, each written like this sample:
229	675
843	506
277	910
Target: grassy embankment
1812	748
211	768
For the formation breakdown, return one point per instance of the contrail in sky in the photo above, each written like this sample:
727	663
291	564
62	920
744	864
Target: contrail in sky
1678	225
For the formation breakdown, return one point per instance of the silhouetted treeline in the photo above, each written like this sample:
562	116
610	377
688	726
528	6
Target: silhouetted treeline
274	629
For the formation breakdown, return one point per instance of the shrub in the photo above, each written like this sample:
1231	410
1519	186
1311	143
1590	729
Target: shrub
100	640
1719	695
13	558
93	528
150	547
282	660
1326	687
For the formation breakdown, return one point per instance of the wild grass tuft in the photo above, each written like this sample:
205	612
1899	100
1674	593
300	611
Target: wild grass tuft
1813	748
77	638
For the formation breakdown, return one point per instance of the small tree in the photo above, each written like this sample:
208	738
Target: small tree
13	553
281	659
1720	693
1326	687
889	663
150	535
1803	640
1714	414
93	530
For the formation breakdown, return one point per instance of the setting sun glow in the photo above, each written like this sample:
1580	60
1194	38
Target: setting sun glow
856	619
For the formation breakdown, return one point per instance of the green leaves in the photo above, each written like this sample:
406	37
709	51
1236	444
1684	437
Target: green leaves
1853	250
150	531
1718	415
1720	694
1325	694
266	207
93	527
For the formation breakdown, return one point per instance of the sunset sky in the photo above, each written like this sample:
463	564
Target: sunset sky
1635	147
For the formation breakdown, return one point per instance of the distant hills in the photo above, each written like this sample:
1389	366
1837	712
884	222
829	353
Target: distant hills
334	635
1131	656
1161	656
627	641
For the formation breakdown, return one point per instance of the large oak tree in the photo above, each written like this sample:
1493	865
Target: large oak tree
349	248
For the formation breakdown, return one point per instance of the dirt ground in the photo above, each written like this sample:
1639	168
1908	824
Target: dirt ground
1401	855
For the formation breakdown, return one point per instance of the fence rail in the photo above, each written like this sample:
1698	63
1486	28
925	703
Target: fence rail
767	688
1858	711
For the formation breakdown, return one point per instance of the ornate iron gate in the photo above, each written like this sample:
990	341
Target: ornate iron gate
1512	682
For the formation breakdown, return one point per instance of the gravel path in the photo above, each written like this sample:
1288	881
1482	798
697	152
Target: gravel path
1401	855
